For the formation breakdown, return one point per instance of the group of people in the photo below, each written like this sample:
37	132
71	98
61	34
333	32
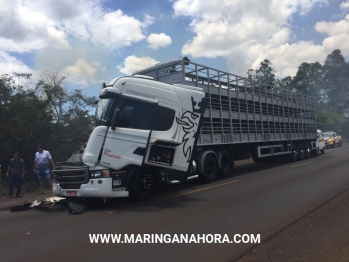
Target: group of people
16	171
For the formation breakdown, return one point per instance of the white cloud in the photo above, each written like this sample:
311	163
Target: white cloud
331	28
10	64
24	29
81	72
134	63
29	25
158	40
344	5
245	32
74	36
338	37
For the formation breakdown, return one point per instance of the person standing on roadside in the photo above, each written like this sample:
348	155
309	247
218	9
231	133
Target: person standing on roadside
42	168
15	173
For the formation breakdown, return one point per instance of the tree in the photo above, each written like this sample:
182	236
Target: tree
265	73
70	111
285	83
47	113
23	118
335	73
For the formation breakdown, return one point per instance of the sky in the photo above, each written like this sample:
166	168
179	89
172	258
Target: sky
94	41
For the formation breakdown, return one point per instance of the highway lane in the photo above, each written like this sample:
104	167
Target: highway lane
258	198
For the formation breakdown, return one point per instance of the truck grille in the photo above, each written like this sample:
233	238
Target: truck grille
70	175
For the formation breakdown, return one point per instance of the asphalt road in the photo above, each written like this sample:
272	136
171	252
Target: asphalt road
262	199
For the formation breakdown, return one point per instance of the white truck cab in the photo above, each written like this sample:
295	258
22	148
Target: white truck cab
139	123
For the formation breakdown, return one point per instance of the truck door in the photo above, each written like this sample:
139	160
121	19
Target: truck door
128	142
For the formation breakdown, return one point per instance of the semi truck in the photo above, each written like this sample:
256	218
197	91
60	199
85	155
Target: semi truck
180	119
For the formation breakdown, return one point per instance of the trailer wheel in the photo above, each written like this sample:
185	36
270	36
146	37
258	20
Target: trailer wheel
141	184
225	162
307	153
300	152
210	169
293	156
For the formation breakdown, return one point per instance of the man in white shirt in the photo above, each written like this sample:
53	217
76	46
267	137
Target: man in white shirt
42	167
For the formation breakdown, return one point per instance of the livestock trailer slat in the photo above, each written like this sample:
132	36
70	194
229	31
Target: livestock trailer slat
239	110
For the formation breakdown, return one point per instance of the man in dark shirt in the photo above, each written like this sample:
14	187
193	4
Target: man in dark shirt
15	173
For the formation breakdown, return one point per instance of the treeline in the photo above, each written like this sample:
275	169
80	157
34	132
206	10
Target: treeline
328	83
45	113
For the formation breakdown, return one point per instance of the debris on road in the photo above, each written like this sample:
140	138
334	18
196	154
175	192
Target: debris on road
77	208
53	204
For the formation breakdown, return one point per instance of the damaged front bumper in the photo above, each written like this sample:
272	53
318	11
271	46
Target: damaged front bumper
100	188
74	180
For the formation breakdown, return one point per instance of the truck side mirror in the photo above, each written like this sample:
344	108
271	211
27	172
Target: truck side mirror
115	117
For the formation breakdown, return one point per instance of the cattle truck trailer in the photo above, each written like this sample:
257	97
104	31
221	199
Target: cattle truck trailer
179	119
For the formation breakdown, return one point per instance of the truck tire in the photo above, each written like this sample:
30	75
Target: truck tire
141	184
210	169
317	151
307	151
323	150
300	152
340	143
225	162
293	157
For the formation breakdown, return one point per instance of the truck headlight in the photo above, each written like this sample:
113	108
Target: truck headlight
100	173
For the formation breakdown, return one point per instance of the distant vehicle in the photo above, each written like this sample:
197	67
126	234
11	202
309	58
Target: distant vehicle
320	142
332	139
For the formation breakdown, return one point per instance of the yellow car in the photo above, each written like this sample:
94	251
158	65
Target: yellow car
332	139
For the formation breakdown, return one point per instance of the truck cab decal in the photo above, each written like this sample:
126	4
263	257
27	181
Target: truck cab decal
190	122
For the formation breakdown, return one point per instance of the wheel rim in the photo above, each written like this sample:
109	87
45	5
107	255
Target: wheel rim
210	169
145	182
308	152
301	153
225	162
294	154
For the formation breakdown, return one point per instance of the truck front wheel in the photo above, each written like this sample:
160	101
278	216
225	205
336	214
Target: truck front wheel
141	184
210	169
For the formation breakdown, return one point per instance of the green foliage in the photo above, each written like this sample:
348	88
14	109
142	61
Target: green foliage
45	113
265	73
327	121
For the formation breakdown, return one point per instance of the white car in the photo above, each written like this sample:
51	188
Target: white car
320	143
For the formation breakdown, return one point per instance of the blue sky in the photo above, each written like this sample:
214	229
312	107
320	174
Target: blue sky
95	41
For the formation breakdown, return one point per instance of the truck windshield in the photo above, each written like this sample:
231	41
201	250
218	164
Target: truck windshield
105	110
